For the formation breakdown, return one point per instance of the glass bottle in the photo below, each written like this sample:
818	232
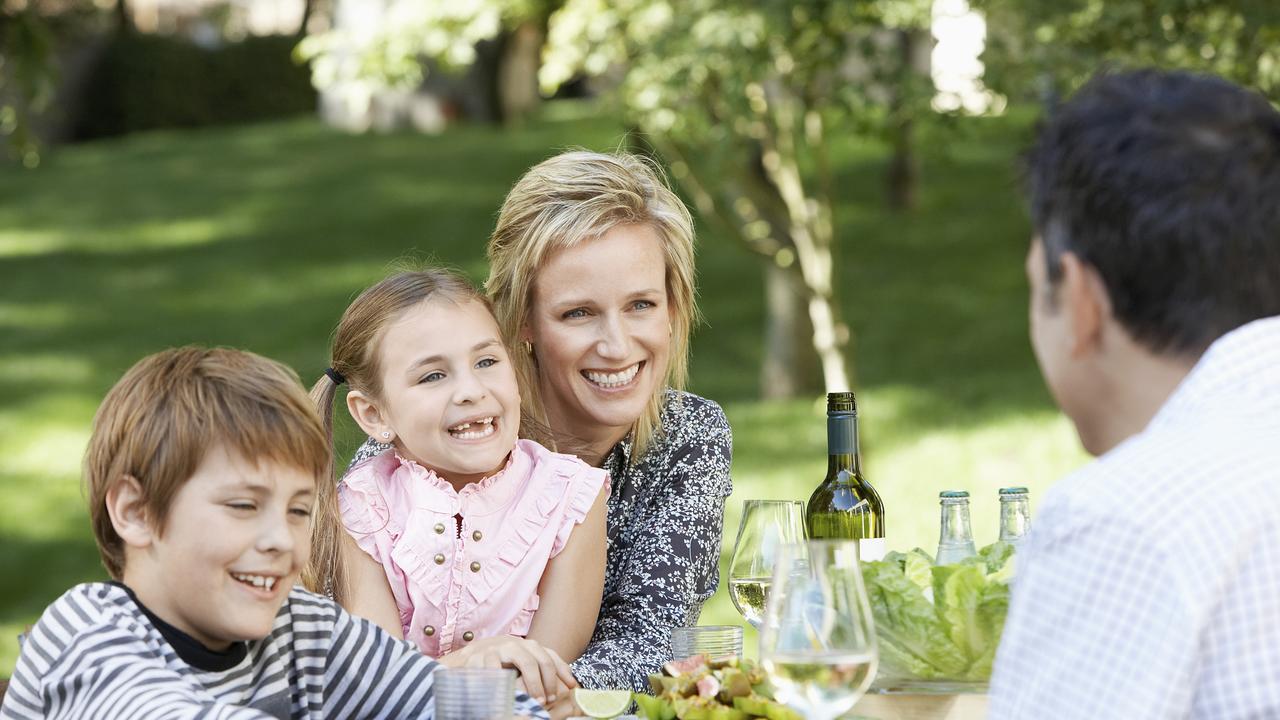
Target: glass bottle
955	540
1015	514
845	506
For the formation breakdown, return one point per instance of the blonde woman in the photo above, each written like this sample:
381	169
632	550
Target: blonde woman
592	282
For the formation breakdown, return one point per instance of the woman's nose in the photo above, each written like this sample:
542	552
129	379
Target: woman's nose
614	342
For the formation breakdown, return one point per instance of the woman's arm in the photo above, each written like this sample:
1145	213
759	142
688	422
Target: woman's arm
368	590
571	588
670	565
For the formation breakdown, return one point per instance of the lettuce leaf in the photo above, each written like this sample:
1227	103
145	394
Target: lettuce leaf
939	621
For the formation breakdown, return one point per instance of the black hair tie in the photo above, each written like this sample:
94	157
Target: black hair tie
335	376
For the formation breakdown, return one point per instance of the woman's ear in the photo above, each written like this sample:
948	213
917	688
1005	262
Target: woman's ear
127	507
370	419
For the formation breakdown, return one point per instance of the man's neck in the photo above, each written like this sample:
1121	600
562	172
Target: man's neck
1137	386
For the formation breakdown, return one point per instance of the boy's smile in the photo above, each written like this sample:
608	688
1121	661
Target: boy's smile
235	539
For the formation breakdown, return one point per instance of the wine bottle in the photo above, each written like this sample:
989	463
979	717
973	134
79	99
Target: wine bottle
844	505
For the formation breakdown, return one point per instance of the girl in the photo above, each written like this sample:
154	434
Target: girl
464	536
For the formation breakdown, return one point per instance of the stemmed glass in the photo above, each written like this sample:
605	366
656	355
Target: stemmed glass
766	526
818	643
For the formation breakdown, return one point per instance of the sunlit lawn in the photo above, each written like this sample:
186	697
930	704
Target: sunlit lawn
258	237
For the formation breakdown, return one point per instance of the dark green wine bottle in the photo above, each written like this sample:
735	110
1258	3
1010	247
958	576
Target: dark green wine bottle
845	506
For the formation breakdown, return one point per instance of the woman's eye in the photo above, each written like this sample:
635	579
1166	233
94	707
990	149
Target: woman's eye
241	506
643	304
431	377
575	313
487	362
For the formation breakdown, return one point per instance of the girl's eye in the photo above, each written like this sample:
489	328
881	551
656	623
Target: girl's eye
487	362
301	512
431	377
241	506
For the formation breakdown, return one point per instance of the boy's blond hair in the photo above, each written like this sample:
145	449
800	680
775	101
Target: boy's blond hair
171	408
572	198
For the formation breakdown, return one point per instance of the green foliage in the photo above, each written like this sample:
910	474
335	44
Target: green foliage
391	54
1055	45
144	82
26	77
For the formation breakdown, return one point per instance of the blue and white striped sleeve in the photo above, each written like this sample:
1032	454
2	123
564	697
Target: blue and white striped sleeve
374	676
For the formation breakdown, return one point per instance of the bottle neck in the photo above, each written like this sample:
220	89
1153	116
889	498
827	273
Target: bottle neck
1015	519
955	523
842	445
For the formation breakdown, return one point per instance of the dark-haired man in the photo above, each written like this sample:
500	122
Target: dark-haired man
1150	585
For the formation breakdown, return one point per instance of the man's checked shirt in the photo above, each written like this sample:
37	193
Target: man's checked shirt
1149	586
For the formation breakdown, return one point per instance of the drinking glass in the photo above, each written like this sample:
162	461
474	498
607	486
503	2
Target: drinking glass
766	526
475	693
818	644
714	641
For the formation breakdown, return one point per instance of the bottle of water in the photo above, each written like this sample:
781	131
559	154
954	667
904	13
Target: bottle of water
955	541
1015	514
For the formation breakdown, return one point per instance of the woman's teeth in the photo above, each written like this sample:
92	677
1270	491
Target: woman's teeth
483	429
262	581
612	380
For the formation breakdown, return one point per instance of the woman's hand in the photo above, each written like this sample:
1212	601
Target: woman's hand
543	674
564	708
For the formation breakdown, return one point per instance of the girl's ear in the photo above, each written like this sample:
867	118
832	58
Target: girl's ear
370	419
126	505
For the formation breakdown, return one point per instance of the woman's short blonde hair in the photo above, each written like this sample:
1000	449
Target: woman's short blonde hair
575	197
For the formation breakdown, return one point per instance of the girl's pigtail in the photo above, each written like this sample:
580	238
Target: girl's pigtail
324	572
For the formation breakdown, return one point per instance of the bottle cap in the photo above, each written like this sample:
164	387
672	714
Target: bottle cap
1014	491
841	402
951	494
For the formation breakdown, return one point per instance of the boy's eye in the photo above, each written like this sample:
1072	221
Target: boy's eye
431	377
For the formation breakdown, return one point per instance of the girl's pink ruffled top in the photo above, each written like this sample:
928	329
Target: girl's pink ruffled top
466	565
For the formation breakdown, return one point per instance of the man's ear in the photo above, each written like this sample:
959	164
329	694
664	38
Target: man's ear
126	505
1085	300
370	419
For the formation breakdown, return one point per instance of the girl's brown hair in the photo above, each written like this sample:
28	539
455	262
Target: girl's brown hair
355	357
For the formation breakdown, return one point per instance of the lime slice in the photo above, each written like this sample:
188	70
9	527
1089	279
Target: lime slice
602	703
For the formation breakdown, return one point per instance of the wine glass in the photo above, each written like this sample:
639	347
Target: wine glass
766	526
818	644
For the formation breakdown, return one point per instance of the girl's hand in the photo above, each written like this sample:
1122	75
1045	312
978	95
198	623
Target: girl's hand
543	674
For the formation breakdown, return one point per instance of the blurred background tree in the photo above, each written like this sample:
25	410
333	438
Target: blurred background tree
27	76
1050	47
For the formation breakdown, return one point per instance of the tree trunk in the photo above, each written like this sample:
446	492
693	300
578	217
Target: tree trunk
903	175
518	93
123	23
786	370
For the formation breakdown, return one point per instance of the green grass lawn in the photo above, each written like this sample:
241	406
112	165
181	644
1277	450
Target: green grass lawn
258	237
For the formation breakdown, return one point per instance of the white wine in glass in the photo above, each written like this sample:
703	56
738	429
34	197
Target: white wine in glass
818	642
767	525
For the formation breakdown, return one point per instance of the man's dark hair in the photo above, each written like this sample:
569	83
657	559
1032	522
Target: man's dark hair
1168	184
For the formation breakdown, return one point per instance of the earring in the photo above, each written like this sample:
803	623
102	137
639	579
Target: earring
386	435
528	347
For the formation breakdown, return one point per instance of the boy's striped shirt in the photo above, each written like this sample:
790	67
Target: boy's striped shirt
96	654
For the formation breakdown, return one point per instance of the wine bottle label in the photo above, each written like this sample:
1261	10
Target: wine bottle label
871	549
842	435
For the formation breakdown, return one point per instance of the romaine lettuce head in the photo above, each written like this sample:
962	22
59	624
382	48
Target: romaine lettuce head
939	621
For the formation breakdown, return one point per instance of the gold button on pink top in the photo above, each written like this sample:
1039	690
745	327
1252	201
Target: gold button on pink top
451	582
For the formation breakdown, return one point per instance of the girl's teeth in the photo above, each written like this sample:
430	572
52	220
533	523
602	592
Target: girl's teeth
461	432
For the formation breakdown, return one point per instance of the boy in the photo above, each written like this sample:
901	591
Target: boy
201	473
